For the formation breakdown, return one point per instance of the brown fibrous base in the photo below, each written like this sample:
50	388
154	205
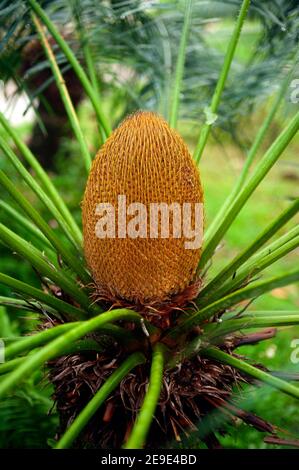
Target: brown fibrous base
162	314
189	393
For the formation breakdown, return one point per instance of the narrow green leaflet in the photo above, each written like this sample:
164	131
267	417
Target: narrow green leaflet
55	200
230	300
259	173
240	259
258	374
57	346
71	260
97	401
145	417
212	111
180	64
40	13
65	96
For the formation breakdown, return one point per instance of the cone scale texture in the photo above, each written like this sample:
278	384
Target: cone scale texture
147	162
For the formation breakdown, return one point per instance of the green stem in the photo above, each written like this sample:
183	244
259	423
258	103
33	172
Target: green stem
37	294
164	101
72	261
97	401
55	347
90	66
25	223
259	173
227	327
94	81
230	300
251	154
31	306
252	371
40	13
10	365
43	266
55	199
78	14
87	345
180	64
273	251
65	96
42	196
145	417
259	262
38	339
214	333
190	349
122	335
205	131
263	313
231	267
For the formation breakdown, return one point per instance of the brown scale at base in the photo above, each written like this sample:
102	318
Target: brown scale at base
189	393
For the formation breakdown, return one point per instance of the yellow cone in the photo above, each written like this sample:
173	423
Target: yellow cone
147	162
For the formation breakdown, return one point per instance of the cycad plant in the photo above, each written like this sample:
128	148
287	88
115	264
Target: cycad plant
142	356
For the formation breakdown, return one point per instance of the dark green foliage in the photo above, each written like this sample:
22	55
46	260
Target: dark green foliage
25	421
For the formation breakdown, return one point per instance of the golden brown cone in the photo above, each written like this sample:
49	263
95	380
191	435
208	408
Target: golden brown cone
148	162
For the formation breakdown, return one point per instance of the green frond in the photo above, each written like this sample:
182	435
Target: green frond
258	374
141	427
91	408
